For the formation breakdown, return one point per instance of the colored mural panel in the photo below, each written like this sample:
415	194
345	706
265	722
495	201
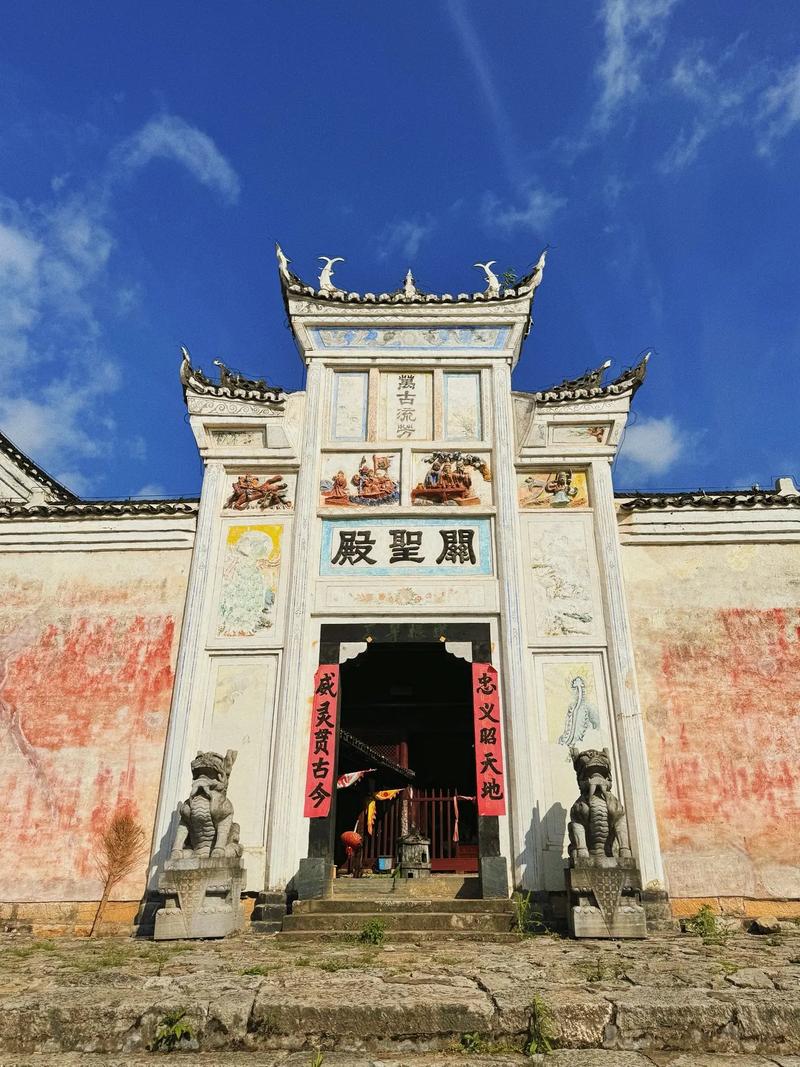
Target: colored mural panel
454	477
462	407
87	650
241	718
250	571
488	726
321	766
583	433
553	489
717	638
350	392
261	491
563	582
404	547
406	411
396	337
360	480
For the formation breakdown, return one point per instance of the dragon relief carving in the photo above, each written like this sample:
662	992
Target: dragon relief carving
206	827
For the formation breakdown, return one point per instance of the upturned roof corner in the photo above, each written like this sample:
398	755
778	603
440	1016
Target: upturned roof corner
590	385
232	385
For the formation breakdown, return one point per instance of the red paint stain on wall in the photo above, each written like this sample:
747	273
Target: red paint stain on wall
84	709
726	726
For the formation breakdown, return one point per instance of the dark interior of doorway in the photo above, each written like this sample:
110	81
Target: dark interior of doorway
405	709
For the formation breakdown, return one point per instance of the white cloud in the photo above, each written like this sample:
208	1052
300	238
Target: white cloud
651	446
405	236
634	31
492	98
535	213
57	283
170	137
779	111
150	490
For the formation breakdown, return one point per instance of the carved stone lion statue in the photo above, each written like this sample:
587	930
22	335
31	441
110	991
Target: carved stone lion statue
206	827
597	819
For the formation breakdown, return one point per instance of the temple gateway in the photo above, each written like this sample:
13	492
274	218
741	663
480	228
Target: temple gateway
411	607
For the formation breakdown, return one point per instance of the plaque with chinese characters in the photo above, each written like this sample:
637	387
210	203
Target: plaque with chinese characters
404	547
406	412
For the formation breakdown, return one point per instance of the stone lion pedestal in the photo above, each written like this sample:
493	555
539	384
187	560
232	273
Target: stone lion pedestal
202	898
603	882
203	878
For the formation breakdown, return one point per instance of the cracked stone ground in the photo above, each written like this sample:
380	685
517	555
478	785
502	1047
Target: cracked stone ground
669	1002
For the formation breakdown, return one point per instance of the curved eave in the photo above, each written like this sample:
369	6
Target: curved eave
724	500
34	471
102	509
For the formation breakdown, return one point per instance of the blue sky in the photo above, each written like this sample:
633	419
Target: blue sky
151	154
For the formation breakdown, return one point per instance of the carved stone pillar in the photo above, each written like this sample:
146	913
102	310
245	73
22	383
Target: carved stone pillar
523	751
287	828
627	710
192	643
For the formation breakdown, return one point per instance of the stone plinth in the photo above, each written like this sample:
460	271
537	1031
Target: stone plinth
202	898
604	897
415	856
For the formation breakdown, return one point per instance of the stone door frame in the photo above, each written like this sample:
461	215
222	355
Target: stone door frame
340	642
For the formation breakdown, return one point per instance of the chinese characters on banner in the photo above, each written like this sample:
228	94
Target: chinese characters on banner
491	781
322	742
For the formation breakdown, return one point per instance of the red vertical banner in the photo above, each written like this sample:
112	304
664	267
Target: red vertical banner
491	781
322	742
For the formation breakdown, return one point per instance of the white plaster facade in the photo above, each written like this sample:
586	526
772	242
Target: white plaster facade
461	353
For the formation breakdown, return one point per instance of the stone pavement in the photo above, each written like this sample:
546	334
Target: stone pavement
666	1002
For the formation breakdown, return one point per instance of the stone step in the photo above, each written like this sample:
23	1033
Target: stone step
485	921
437	887
400	936
344	905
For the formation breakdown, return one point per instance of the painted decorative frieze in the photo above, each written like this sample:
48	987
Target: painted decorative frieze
349	415
585	433
261	492
406	406
462	406
250	573
457	338
461	478
350	480
404	547
562	578
553	489
238	438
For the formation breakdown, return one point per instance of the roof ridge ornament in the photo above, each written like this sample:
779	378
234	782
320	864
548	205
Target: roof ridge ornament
409	286
326	274
492	281
231	383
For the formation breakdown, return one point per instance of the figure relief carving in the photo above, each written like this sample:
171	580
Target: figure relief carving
206	827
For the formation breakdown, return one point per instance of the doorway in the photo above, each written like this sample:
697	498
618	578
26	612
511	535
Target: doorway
406	737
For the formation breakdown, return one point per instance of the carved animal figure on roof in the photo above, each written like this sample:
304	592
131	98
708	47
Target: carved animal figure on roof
597	825
205	820
409	288
326	274
492	281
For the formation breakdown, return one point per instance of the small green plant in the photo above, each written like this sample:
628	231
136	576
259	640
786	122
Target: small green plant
541	1031
317	1059
173	1032
527	919
373	932
473	1043
259	968
509	277
728	967
706	925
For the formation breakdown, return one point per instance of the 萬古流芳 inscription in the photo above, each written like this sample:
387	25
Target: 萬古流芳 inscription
402	547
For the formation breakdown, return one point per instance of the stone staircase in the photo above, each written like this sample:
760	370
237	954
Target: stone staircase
445	907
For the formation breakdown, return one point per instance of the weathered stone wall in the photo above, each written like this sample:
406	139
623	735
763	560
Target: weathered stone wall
717	637
87	650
